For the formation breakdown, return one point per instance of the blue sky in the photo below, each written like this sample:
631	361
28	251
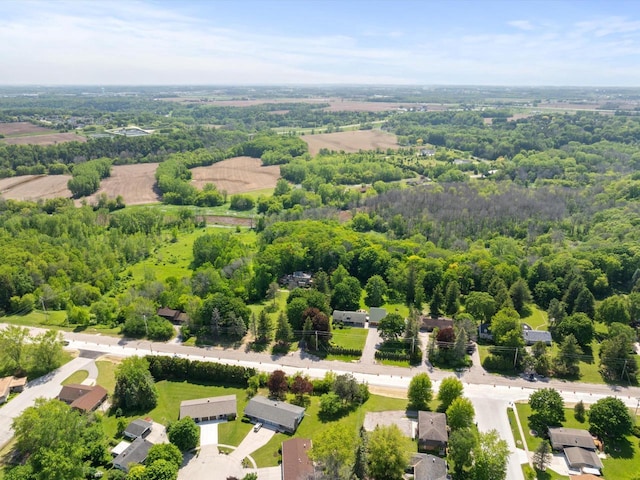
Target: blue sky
508	42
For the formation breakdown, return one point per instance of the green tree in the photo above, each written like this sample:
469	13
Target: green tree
462	443
13	341
391	326
333	450
184	434
47	350
236	328
284	333
520	295
556	311
161	470
165	451
388	454
490	457
616	360
547	409
420	393
585	303
437	301
481	305
460	414
135	388
330	405
579	325
452	298
609	417
360	469
450	389
613	309
579	411
346	294
542	456
376	289
565	363
265	327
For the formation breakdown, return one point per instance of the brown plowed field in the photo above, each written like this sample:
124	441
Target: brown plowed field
135	183
35	187
237	175
21	128
351	141
47	139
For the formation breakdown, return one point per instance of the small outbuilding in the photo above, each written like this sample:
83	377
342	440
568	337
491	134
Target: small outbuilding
281	416
212	408
9	385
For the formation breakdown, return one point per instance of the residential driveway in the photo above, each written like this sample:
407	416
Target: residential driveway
158	433
369	351
270	473
92	370
252	442
208	464
209	433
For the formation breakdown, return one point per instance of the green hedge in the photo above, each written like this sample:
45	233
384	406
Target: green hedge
349	352
176	368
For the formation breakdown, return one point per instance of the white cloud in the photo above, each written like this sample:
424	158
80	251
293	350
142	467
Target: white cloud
521	24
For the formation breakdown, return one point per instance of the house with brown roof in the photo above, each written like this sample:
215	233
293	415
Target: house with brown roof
174	316
223	407
9	385
430	323
433	434
85	398
296	464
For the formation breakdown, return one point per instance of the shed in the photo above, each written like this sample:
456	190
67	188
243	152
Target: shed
296	464
213	408
279	415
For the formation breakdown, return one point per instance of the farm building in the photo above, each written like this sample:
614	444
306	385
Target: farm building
281	416
296	464
432	432
85	398
375	315
213	408
355	319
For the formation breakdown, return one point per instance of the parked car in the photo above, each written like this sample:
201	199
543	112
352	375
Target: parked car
257	427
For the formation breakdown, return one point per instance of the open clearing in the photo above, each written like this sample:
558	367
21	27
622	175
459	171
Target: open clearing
135	183
35	187
45	139
351	141
21	128
237	175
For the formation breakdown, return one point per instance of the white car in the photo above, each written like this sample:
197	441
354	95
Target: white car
257	427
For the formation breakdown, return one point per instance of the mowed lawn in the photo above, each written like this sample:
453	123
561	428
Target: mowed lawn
311	426
623	456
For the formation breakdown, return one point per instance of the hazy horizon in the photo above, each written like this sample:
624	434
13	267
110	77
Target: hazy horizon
319	43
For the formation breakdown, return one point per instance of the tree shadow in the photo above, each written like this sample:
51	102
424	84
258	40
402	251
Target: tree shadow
619	448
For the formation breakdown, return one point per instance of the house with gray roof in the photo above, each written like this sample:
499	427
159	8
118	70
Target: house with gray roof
562	438
136	453
532	337
137	428
375	315
583	459
355	319
281	416
223	407
433	434
427	467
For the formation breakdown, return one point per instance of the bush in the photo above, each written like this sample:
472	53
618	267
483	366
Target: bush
175	368
241	202
348	352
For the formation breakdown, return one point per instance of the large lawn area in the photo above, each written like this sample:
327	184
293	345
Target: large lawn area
623	457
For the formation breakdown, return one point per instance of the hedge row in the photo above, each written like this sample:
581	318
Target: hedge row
349	352
413	359
176	368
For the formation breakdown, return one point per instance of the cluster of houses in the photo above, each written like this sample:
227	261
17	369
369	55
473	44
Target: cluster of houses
10	385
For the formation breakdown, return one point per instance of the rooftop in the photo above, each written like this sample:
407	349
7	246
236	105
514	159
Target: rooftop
432	426
274	411
208	407
296	464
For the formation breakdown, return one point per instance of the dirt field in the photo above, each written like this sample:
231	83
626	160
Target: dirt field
237	175
48	139
21	128
351	141
35	187
134	182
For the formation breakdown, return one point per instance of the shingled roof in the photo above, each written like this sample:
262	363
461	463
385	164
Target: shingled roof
209	407
274	412
570	437
83	397
296	464
432	427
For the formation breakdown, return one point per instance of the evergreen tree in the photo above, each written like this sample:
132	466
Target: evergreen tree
236	327
542	456
265	327
585	303
284	333
452	298
216	324
437	300
556	312
520	295
566	362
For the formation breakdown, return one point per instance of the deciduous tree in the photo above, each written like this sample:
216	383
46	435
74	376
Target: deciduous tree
184	434
388	453
450	389
278	385
460	414
420	393
609	417
135	388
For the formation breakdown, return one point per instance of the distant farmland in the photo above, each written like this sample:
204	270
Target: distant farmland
25	133
35	187
351	141
237	175
135	183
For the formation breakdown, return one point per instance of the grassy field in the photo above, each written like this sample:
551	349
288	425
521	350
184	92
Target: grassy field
107	374
268	455
537	320
219	211
623	457
55	320
76	377
546	475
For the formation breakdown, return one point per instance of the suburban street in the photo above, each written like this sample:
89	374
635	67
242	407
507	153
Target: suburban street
490	394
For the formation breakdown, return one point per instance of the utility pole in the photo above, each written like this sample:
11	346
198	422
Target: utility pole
515	358
46	314
146	327
316	340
